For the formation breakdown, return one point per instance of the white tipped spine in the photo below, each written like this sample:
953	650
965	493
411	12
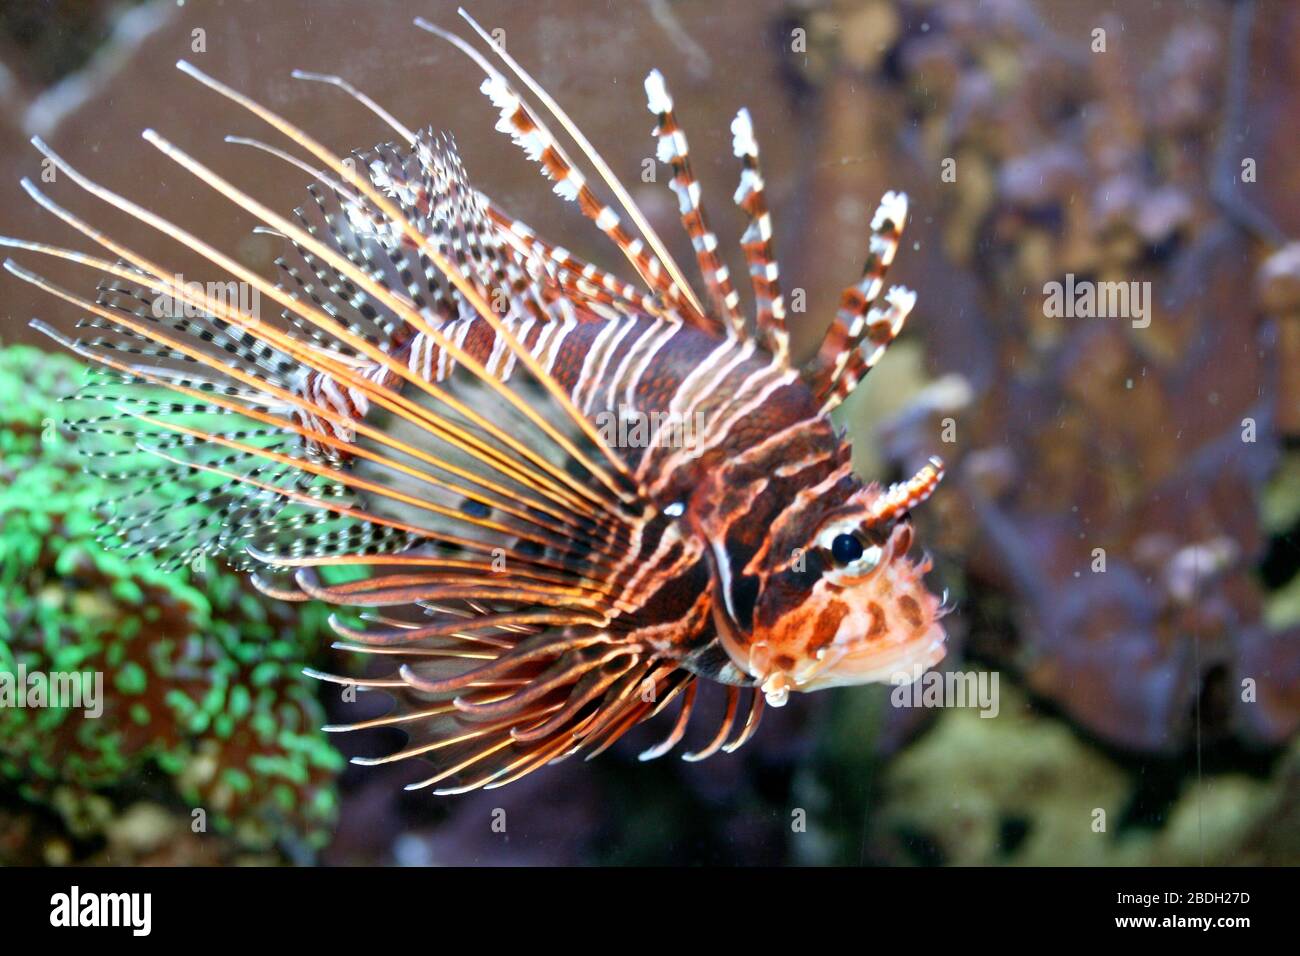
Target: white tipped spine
743	142
892	208
902	299
656	90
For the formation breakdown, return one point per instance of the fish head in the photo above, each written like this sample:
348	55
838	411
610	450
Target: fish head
838	600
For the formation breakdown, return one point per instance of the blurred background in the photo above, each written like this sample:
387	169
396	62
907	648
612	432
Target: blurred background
1163	690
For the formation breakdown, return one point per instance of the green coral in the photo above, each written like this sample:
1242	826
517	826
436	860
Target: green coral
200	676
1022	788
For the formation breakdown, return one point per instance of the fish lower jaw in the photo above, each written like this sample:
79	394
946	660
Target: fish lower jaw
901	663
776	689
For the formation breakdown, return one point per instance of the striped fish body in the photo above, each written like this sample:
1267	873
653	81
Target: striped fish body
548	501
696	406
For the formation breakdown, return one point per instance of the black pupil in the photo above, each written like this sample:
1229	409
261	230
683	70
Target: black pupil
846	548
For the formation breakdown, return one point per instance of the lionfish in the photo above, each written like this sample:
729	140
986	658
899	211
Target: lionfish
414	441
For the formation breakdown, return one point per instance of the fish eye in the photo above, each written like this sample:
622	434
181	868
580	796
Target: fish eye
846	548
853	554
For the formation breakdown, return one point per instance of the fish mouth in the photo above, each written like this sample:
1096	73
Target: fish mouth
913	640
849	659
843	665
868	664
